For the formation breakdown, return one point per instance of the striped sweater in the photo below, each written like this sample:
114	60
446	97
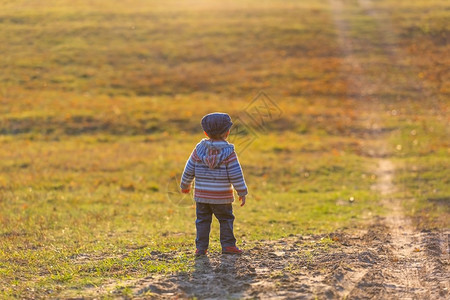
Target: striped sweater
216	168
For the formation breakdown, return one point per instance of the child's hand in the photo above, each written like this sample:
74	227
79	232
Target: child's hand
242	198
185	191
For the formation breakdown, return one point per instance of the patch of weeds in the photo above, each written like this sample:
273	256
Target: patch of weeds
307	256
326	243
123	291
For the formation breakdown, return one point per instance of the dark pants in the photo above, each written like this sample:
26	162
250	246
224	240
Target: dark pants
223	213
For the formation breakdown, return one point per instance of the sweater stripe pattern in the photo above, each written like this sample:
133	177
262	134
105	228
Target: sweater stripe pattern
216	169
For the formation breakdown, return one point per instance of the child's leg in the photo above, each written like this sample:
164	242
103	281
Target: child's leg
203	224
224	213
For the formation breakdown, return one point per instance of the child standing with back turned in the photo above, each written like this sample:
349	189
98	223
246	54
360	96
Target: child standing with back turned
215	167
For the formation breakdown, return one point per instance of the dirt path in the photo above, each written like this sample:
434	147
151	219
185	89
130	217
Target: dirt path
391	260
413	272
418	269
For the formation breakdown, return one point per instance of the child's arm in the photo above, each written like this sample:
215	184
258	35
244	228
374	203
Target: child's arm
188	175
237	177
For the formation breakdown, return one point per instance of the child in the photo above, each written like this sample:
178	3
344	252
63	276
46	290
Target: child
215	166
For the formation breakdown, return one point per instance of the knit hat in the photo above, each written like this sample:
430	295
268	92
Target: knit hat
217	123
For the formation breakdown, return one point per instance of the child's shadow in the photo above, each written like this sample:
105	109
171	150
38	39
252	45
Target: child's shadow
202	266
219	277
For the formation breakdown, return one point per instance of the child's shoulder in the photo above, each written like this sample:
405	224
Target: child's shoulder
230	158
195	156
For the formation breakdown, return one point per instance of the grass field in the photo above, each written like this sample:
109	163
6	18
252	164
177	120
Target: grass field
100	106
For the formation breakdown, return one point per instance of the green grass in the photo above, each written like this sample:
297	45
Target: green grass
101	105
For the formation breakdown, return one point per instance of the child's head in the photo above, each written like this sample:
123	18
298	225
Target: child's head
217	125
